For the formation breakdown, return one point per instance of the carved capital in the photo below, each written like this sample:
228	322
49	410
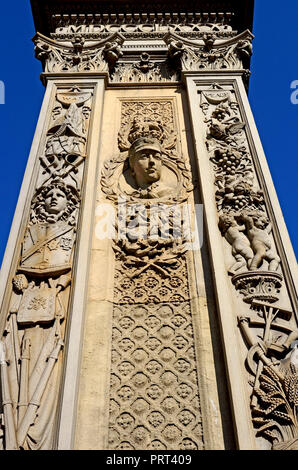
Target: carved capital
258	285
76	56
209	53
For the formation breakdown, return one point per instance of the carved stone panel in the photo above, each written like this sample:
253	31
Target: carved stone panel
154	390
268	326
33	339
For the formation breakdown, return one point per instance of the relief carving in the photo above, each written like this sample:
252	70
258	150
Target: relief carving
58	57
149	166
209	53
271	337
268	330
139	24
33	339
154	401
144	71
239	199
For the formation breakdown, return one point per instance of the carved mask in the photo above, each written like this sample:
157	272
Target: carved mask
55	201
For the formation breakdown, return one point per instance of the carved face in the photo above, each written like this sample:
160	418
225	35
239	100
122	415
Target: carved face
57	111
260	222
86	110
147	167
55	201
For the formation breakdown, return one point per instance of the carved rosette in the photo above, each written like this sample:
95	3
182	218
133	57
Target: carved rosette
33	339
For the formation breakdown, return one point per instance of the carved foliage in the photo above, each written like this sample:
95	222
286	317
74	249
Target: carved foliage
240	202
270	334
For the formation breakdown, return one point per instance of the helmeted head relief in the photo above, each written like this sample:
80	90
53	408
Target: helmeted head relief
145	161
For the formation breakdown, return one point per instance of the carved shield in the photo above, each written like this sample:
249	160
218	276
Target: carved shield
37	306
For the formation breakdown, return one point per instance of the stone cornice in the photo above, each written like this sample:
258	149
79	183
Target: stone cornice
238	14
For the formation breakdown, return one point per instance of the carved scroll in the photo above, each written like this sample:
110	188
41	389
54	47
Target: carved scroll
33	339
99	57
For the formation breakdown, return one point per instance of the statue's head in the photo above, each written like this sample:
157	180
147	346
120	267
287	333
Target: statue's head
145	161
225	222
221	112
56	201
260	221
57	111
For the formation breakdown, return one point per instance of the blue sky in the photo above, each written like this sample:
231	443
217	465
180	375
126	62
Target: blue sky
274	67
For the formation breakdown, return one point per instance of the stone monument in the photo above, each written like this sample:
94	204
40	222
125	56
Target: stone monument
148	296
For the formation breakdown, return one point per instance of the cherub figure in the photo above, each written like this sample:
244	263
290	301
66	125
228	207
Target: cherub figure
176	50
112	52
241	249
258	229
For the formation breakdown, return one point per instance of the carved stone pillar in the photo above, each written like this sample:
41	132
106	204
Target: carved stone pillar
44	272
254	266
148	283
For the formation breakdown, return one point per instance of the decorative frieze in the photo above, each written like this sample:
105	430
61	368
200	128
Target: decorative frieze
97	25
112	55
